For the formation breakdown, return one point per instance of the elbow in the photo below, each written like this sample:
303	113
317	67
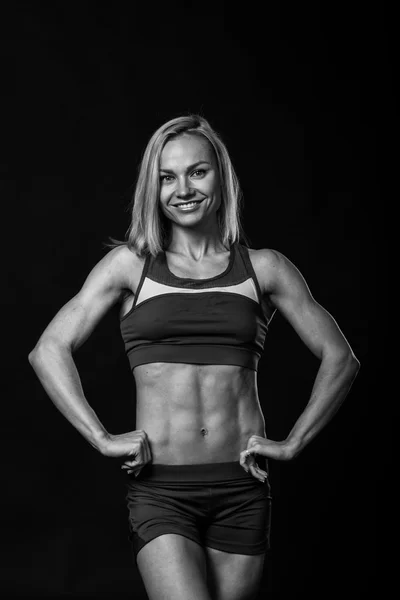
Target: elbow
352	363
32	356
344	359
42	350
356	364
36	352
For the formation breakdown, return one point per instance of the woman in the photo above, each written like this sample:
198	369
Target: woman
195	308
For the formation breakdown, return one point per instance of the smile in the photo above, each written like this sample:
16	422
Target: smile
188	205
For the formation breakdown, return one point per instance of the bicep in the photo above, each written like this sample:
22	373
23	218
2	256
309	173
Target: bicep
75	321
290	294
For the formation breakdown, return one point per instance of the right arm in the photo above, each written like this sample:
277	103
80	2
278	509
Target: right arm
52	357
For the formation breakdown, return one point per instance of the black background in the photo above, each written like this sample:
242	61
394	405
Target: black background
302	97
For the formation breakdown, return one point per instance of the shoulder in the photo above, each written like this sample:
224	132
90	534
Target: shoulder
127	266
267	263
267	258
120	268
122	258
273	269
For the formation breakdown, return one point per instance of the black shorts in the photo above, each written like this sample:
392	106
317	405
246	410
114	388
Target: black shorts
217	505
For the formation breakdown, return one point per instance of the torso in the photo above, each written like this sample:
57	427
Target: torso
196	413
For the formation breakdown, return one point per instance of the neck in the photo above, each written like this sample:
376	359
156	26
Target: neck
195	244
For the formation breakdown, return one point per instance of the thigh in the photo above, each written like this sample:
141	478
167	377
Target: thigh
157	508
241	522
173	567
233	576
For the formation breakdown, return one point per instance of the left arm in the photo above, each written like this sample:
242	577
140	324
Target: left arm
289	293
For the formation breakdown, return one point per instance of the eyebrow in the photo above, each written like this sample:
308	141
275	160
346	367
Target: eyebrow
190	167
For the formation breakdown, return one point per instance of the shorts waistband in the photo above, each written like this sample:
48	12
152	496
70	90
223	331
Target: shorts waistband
205	472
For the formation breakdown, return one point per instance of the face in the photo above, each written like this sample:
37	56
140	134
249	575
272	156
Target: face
189	182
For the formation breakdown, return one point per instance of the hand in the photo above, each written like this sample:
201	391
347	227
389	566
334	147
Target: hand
263	447
133	447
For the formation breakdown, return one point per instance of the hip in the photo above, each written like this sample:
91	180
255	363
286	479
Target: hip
211	479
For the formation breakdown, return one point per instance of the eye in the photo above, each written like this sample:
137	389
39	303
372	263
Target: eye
199	172
165	178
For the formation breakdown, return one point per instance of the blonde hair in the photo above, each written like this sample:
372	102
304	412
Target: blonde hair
149	228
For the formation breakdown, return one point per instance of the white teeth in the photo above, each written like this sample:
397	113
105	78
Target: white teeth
188	204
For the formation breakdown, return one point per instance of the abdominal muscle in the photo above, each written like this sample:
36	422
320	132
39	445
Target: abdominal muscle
195	414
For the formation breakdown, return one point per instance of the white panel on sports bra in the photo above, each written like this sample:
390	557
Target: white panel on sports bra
151	289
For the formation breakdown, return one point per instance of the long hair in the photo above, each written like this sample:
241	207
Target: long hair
149	229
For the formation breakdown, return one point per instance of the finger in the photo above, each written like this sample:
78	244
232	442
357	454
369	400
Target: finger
131	470
264	474
253	440
251	454
246	459
254	471
148	445
132	463
243	459
133	452
146	451
141	451
150	458
128	470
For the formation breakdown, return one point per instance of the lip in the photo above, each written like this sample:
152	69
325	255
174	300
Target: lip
183	206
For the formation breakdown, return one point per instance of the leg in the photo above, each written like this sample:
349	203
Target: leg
173	568
238	537
234	576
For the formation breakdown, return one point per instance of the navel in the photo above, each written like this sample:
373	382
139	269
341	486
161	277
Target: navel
204	431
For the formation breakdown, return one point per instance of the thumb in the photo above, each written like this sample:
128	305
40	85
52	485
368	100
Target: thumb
136	473
131	463
130	468
245	455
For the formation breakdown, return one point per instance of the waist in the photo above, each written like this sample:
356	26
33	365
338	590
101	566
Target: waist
197	413
197	473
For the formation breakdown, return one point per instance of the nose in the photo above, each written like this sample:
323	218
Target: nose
183	190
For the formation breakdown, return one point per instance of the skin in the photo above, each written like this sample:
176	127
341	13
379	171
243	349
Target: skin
175	401
221	399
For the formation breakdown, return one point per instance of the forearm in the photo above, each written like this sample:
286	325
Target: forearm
58	374
332	384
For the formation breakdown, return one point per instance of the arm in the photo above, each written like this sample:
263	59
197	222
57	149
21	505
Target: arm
288	292
52	357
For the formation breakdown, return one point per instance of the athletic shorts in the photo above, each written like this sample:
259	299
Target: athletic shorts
217	505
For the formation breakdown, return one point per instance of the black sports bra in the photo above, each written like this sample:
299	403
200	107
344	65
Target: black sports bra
219	320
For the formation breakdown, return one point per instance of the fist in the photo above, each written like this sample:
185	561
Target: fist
133	447
264	447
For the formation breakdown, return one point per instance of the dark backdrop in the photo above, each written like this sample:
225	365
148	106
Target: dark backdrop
300	94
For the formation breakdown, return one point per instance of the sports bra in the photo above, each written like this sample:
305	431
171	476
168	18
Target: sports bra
219	320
